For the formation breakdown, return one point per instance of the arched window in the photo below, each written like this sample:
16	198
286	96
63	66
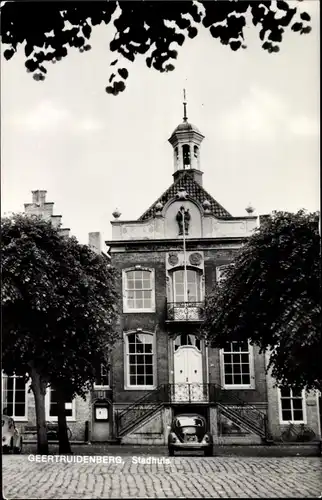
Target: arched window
186	156
186	339
138	290
139	352
193	286
196	151
176	155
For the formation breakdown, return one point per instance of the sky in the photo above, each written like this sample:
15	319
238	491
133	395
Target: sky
94	152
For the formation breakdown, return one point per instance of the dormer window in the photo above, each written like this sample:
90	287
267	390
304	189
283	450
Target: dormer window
186	156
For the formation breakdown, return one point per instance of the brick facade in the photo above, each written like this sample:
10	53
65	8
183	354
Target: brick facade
216	236
155	242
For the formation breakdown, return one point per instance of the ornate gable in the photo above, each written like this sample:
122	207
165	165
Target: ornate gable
194	190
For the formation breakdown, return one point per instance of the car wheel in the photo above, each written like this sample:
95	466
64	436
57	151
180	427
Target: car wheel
208	452
171	452
18	449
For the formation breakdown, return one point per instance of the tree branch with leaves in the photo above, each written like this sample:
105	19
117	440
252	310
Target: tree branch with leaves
153	29
59	312
272	296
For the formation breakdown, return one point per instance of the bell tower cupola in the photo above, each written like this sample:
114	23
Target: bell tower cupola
186	140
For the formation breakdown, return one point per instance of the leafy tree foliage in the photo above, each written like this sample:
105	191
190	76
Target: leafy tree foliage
59	310
150	28
271	295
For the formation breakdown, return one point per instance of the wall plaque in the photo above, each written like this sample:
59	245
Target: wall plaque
195	259
173	259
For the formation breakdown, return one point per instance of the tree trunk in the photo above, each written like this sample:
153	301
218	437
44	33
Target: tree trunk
64	444
38	387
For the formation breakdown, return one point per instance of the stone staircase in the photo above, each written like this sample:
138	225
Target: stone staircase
142	409
230	405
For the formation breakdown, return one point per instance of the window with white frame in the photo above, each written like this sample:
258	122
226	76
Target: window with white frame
193	286
14	397
51	406
139	360
292	407
102	379
237	365
138	290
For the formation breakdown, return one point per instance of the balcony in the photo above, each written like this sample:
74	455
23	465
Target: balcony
185	311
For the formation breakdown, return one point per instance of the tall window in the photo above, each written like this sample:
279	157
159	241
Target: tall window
291	405
102	377
51	406
193	286
14	397
140	360
138	290
186	156
176	155
237	365
195	151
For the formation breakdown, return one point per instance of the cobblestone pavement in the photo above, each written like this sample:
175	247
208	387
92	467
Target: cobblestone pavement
183	477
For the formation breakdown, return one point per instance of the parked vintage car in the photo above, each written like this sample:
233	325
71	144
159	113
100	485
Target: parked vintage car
189	432
11	437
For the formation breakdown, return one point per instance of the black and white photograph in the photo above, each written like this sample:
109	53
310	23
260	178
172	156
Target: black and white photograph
160	249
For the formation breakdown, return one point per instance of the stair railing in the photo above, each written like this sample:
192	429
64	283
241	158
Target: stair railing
245	411
142	406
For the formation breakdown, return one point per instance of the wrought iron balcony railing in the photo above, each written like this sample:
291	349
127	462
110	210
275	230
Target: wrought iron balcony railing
185	311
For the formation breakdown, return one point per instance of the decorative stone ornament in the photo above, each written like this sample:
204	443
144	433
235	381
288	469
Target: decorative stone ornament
116	214
182	194
173	259
249	209
195	259
206	206
158	208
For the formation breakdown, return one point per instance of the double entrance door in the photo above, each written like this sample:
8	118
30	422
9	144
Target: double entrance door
188	372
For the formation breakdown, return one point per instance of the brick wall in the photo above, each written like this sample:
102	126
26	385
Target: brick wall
151	322
77	426
45	209
155	322
213	259
311	404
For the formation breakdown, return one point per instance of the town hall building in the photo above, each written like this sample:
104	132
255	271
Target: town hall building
169	260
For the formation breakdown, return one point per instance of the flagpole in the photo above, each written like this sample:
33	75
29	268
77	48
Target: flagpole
184	258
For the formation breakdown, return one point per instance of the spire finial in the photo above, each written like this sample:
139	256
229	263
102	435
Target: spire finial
185	118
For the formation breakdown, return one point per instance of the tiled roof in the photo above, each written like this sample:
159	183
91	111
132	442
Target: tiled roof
194	190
